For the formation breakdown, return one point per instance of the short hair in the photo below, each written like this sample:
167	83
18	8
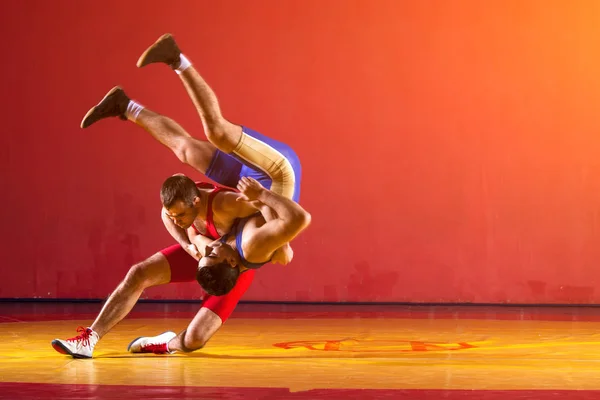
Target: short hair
218	279
178	188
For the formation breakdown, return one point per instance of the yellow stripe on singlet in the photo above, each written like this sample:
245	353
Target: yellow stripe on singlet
269	160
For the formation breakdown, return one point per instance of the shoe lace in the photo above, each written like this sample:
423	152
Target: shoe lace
156	348
84	336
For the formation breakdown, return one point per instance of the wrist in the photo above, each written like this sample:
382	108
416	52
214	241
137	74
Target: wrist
263	195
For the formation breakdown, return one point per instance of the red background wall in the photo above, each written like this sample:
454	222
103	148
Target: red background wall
450	148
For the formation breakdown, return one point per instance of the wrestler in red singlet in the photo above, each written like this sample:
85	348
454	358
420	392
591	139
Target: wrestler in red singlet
184	267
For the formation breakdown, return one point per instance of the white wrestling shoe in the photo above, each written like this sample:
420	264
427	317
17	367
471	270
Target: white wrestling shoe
155	344
81	346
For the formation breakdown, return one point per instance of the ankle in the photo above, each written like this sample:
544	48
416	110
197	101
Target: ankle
97	333
182	64
133	110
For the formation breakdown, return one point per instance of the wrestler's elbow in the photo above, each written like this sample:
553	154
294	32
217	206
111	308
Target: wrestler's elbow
300	221
306	219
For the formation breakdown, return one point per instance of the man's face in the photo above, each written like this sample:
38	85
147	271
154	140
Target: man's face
217	253
182	215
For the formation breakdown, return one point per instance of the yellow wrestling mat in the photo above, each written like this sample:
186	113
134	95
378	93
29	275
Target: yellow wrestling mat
304	354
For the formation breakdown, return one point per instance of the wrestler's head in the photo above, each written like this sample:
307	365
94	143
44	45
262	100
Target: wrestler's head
181	199
217	270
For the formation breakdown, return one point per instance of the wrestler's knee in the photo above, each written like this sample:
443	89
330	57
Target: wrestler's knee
215	129
192	342
223	134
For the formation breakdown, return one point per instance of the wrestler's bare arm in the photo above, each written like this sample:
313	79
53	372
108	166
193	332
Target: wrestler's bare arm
291	219
179	235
